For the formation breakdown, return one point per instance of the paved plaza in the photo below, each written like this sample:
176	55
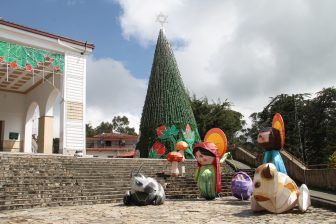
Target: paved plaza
224	210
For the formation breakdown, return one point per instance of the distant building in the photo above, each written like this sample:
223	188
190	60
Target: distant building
112	145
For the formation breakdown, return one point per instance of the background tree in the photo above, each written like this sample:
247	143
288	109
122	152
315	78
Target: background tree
291	108
103	127
217	114
320	127
310	124
120	124
90	131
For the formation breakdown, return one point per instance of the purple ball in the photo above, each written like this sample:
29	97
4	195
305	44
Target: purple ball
241	186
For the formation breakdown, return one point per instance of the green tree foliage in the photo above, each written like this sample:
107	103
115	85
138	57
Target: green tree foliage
332	160
90	131
320	127
217	115
166	101
310	124
291	109
103	127
119	124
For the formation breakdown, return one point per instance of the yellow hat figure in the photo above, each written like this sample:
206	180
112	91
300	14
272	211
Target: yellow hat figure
276	192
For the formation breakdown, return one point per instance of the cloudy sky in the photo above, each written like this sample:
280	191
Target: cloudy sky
244	51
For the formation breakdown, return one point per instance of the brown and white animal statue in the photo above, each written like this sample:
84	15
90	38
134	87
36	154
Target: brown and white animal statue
276	192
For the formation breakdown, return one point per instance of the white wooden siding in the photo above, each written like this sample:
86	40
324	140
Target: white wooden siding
74	78
75	135
74	129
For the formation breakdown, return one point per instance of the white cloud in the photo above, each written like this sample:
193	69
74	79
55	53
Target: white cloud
113	91
243	51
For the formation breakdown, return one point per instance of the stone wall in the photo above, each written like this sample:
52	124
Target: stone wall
316	178
244	156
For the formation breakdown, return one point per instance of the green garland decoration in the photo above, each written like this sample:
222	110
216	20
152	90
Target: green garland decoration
23	57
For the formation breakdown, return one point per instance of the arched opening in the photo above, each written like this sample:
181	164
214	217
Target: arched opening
31	128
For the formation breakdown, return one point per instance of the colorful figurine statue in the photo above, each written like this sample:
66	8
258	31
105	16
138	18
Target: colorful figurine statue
276	192
208	175
273	140
208	154
144	191
241	186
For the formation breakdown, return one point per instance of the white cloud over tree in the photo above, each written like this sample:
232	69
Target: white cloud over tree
243	51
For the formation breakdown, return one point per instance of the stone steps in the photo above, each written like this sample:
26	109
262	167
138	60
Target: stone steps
58	203
38	181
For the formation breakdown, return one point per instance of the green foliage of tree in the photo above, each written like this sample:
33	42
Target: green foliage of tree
217	115
119	124
104	127
332	160
320	126
310	124
90	131
291	109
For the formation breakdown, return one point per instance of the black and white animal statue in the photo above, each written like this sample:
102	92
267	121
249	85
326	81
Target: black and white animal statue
144	191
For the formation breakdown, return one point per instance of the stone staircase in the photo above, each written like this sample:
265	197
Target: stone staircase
28	181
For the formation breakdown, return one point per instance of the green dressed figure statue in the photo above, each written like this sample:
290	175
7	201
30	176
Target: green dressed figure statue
207	175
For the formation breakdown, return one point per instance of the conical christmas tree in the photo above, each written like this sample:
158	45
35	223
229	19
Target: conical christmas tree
167	116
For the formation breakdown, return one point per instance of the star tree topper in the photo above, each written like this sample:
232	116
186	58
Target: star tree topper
162	19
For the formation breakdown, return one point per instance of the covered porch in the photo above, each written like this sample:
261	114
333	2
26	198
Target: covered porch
41	75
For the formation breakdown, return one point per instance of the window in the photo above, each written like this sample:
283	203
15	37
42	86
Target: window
108	143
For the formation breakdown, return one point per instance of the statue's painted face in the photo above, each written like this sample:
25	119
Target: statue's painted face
263	137
204	159
269	139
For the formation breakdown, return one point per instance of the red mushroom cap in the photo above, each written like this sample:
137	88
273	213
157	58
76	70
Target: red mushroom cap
174	157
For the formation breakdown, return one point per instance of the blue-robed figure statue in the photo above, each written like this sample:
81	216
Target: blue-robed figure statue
270	140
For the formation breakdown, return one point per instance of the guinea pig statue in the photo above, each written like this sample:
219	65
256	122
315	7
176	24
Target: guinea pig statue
276	192
144	191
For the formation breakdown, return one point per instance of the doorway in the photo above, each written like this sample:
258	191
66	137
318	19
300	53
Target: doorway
2	134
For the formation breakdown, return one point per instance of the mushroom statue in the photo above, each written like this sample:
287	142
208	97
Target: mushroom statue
174	157
181	146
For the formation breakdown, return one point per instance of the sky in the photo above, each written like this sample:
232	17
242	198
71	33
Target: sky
242	51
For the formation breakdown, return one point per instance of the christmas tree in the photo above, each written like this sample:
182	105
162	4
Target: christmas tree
167	116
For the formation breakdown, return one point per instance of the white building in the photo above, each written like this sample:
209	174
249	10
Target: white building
35	68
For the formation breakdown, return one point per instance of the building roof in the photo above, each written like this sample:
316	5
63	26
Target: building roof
42	33
110	149
115	136
126	155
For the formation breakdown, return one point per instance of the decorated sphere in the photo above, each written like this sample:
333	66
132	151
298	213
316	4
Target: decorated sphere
241	186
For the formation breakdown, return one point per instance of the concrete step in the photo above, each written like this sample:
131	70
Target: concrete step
37	181
59	203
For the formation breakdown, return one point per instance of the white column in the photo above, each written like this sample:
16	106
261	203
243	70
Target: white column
45	136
